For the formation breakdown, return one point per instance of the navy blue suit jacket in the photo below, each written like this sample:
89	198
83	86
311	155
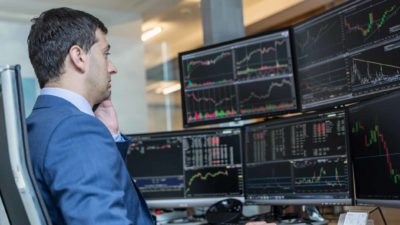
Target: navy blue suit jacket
79	170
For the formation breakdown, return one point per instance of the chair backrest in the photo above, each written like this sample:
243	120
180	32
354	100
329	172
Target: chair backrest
20	201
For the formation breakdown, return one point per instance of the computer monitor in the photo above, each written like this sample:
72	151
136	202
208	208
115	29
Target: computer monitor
245	78
300	160
187	168
375	145
348	53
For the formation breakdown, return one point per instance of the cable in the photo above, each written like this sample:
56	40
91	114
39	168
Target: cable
380	212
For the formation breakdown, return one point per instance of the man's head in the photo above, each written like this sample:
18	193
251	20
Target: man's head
62	40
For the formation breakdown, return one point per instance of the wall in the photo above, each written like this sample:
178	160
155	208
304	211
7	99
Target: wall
14	50
127	54
129	85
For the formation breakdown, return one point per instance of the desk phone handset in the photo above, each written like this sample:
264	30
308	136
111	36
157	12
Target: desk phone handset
224	211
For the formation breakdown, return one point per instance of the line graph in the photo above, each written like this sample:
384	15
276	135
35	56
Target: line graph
367	73
311	39
211	151
323	82
213	180
264	59
211	103
209	69
375	69
371	22
206	176
217	103
268	178
253	95
321	174
318	41
266	96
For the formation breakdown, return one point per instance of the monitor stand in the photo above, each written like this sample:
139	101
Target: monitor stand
310	215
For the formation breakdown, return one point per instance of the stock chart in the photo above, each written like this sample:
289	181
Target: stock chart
213	181
212	165
248	78
211	69
318	41
371	22
375	69
375	143
266	96
324	82
263	60
325	175
354	56
293	158
203	163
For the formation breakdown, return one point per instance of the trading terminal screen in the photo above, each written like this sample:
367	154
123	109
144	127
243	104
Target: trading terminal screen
301	160
187	168
375	142
348	53
246	78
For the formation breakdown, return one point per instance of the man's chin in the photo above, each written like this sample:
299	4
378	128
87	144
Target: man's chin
105	96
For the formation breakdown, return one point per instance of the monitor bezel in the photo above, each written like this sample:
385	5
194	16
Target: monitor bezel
331	104
178	202
188	124
378	202
185	203
325	199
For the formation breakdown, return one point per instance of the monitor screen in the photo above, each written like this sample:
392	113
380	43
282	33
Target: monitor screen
300	160
187	168
375	142
246	78
348	53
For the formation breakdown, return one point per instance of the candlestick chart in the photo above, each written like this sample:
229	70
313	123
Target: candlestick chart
375	142
370	22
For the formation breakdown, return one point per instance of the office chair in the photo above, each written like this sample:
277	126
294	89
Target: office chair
20	201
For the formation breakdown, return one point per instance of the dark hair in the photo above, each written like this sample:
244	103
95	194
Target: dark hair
53	33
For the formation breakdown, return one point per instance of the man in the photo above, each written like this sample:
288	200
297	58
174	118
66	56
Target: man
80	173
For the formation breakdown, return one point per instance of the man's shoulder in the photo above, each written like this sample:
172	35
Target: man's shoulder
52	110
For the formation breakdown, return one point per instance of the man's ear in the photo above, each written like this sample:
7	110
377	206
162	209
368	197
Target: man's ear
78	57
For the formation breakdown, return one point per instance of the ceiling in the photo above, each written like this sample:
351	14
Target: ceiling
179	19
182	25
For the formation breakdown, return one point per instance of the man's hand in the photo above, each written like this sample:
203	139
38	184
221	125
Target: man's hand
105	112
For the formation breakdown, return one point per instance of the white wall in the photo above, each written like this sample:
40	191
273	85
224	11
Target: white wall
129	85
13	46
14	50
127	54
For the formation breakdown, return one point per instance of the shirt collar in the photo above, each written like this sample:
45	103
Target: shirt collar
75	99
